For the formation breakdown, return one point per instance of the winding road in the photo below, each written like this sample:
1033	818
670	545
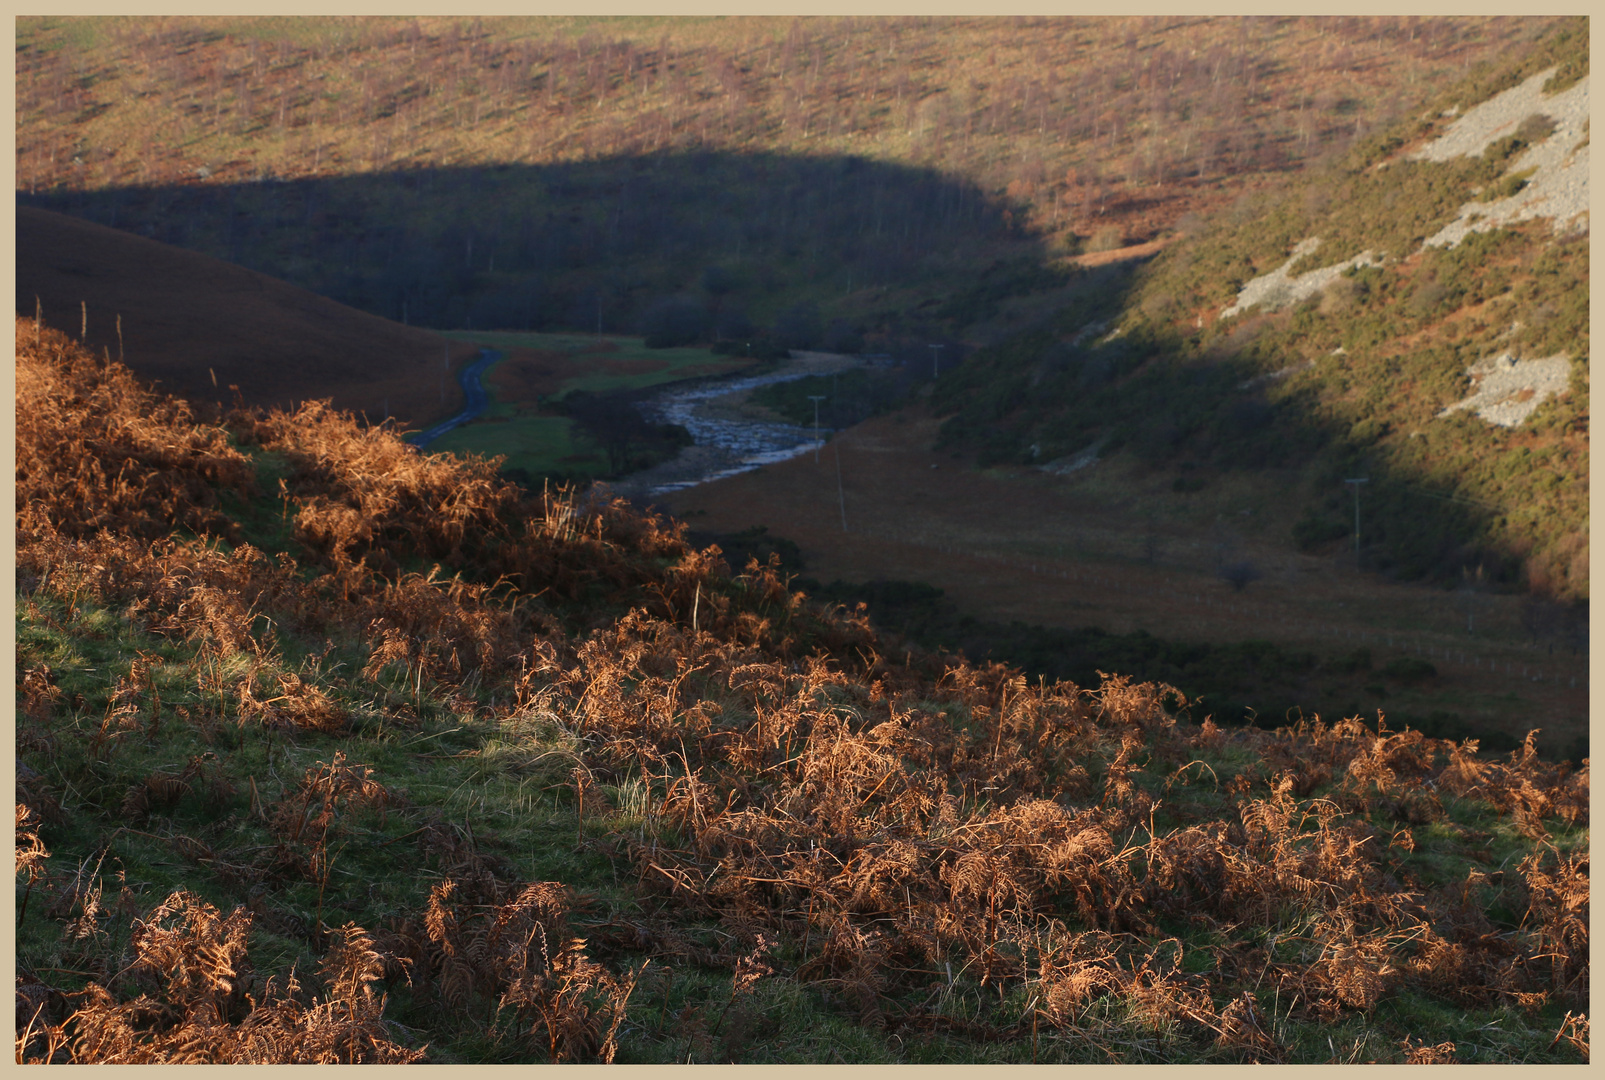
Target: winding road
473	389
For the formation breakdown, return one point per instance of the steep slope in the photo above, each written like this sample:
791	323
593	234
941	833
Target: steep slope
1415	315
288	793
182	318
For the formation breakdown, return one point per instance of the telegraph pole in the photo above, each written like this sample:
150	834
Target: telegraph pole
936	356
1355	483
816	399
841	494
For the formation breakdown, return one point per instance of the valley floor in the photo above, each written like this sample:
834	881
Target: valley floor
1114	547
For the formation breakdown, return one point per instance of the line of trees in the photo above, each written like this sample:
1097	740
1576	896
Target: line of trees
680	248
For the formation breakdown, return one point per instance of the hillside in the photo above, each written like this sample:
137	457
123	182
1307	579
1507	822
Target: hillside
330	751
825	180
883	185
199	326
1414	313
1112	569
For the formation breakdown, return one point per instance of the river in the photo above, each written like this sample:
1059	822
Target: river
728	436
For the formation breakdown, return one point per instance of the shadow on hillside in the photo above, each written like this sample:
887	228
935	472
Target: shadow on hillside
806	252
1072	390
734	241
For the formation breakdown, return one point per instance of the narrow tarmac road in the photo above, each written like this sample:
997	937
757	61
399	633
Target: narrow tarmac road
473	389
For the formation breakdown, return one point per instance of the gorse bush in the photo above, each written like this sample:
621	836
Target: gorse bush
575	791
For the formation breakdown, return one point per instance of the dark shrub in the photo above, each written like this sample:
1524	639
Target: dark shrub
1239	574
1409	670
799	326
718	281
674	321
1311	532
1349	663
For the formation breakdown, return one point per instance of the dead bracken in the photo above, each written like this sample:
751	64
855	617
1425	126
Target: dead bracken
1086	864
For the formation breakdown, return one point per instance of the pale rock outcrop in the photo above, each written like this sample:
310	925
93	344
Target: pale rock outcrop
1508	390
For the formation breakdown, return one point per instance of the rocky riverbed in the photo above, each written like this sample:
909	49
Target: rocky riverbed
730	434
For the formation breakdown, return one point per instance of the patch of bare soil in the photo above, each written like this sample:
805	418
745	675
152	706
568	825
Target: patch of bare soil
697	371
639	365
1113	547
1132	251
185	318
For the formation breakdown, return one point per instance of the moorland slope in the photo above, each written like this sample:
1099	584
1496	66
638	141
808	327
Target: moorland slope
199	326
1414	313
330	751
863	166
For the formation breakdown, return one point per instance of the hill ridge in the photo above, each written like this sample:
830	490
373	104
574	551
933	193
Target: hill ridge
197	325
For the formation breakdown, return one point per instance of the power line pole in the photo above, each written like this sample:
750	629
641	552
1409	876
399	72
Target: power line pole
936	356
841	494
1355	483
816	399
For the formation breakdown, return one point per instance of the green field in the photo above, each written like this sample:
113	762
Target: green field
542	442
688	362
540	445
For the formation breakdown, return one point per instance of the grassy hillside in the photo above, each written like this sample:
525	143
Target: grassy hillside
1352	380
862	167
330	751
333	751
201	326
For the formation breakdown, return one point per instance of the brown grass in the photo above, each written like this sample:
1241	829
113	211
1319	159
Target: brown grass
1012	543
530	374
200	1011
1083	123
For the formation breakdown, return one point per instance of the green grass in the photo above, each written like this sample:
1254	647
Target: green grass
540	445
683	362
505	781
540	442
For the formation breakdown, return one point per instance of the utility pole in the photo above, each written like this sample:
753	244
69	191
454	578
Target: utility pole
1355	483
841	494
936	356
816	399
